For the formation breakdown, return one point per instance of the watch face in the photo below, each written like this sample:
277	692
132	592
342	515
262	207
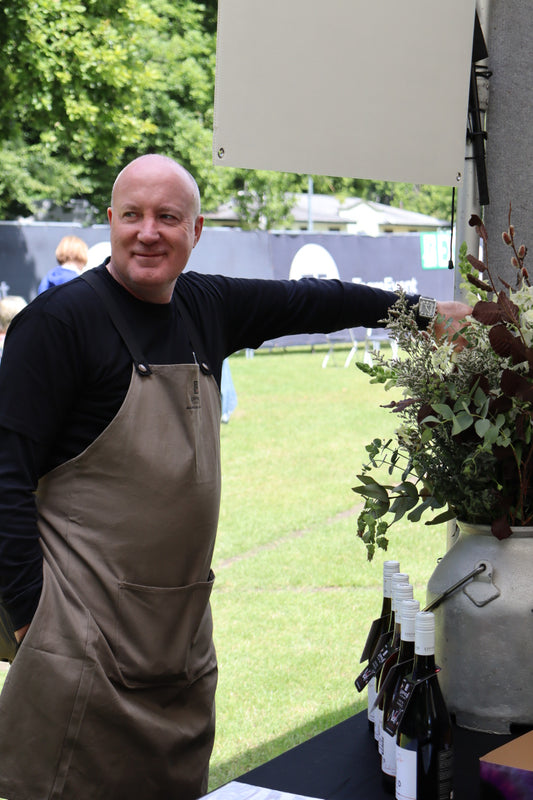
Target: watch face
427	307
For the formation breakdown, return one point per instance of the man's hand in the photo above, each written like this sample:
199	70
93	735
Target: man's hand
451	318
21	633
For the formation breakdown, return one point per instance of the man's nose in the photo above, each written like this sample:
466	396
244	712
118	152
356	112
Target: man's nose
148	231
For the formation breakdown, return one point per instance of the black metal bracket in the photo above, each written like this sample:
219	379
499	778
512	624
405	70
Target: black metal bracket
475	131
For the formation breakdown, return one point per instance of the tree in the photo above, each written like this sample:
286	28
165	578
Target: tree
73	81
433	200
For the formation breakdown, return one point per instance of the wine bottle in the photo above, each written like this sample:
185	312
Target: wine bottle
398	577
382	626
404	666
400	591
424	749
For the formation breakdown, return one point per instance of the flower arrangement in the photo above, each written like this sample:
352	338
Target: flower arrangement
464	445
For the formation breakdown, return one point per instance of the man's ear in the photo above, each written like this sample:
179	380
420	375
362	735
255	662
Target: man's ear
198	227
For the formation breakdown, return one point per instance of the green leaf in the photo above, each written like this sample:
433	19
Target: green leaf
462	422
444	410
401	506
482	426
428	503
373	490
444	517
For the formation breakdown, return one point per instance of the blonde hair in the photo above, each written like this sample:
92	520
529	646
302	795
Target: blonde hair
9	308
71	248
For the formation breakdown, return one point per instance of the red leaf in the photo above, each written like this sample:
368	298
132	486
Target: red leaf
403	404
479	284
514	385
488	313
476	263
505	344
475	222
501	528
510	309
499	405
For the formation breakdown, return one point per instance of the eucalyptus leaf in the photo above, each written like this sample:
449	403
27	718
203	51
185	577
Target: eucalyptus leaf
461	422
372	490
443	410
482	426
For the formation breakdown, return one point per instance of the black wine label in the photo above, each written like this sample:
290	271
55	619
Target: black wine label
390	677
371	639
373	666
398	706
400	701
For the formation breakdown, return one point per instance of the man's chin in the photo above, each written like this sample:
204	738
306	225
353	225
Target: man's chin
149	262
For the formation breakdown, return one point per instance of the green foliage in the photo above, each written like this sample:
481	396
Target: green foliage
31	172
465	443
425	199
74	84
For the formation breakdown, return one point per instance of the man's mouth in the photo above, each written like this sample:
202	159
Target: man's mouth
150	255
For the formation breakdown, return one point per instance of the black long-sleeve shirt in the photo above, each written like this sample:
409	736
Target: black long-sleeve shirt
65	372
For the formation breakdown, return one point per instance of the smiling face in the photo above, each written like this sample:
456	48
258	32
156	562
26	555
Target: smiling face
155	223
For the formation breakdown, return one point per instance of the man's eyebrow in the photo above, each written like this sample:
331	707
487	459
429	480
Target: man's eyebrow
166	207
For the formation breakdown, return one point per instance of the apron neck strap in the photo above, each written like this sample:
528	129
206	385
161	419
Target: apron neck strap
95	281
194	336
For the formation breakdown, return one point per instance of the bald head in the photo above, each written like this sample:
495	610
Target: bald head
155	222
152	164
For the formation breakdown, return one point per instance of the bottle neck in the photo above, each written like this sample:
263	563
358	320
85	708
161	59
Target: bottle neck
423	666
386	607
407	650
392	622
396	635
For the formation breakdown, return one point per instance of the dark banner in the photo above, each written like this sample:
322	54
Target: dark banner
27	253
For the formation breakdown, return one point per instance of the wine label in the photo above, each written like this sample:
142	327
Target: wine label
371	639
377	726
405	774
371	711
374	665
388	757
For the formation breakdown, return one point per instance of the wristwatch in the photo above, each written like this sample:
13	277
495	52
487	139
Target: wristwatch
427	308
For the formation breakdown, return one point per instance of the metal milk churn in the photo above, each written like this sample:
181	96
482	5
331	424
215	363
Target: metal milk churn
482	591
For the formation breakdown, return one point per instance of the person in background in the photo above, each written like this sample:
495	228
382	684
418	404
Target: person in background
227	392
71	256
110	470
10	305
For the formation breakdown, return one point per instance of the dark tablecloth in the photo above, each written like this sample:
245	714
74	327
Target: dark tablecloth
343	764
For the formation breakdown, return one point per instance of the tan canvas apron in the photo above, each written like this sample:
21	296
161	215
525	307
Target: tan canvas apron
111	696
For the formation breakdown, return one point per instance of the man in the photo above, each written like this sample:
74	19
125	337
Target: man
110	409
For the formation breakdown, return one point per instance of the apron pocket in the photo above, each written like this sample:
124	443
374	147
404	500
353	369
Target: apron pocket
156	629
